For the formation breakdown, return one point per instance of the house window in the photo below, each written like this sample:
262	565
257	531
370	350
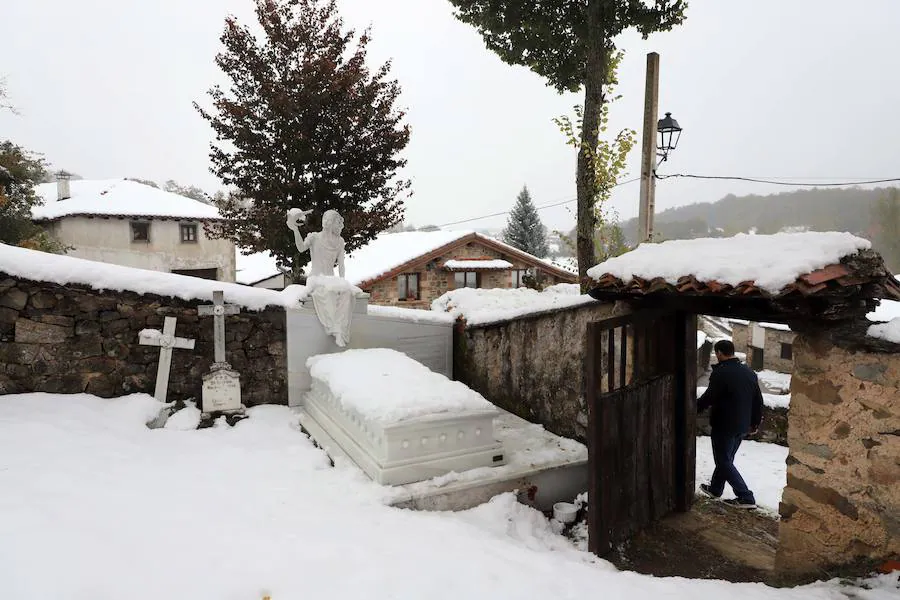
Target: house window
188	233
466	279
140	232
787	351
408	286
518	278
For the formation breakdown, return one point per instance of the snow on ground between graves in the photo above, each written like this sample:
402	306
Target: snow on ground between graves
480	306
771	261
96	505
386	386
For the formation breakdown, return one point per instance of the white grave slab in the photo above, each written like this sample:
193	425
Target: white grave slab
430	343
398	420
221	391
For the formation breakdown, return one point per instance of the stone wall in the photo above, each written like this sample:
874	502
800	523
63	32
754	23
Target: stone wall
842	500
532	366
72	339
772	354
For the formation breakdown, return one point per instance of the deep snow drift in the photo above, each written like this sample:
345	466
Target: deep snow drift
95	505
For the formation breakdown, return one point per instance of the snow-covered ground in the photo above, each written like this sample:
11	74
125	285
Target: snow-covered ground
95	505
774	382
761	465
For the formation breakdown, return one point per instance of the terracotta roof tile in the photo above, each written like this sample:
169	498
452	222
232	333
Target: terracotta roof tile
827	274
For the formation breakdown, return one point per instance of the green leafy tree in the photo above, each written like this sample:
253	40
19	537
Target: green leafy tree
304	124
571	44
886	225
20	170
524	229
608	161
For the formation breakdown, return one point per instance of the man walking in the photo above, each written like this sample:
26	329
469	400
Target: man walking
736	410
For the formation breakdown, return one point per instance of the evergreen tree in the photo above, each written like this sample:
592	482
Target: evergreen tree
524	229
304	124
20	170
571	44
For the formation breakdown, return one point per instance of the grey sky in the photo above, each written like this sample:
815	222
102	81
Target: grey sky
807	88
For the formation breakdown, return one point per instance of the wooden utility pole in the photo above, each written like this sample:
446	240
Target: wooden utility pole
648	150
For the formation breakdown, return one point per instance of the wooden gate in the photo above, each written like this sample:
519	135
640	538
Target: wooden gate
641	389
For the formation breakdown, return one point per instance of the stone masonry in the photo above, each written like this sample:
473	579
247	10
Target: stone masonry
541	382
842	500
72	339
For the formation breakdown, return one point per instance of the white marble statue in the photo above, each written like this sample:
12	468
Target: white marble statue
333	297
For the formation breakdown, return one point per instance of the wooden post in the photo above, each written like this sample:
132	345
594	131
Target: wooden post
648	150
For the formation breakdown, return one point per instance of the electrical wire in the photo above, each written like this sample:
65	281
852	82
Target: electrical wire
770	181
774	182
542	207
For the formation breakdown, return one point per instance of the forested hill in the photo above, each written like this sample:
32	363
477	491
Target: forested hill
852	210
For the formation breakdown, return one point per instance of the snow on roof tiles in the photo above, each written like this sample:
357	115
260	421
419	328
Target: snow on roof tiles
477	264
768	262
118	197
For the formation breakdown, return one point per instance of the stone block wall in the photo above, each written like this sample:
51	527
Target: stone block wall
72	339
842	500
772	353
532	366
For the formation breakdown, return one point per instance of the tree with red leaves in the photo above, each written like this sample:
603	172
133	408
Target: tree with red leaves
304	124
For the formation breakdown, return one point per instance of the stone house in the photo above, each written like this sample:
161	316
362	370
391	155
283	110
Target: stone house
411	269
767	345
124	222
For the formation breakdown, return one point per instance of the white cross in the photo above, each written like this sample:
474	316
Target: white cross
218	309
166	341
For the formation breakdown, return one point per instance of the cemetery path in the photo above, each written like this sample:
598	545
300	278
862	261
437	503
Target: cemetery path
712	541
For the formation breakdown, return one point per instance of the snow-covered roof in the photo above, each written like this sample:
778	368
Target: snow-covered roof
388	252
772	262
477	264
118	197
256	267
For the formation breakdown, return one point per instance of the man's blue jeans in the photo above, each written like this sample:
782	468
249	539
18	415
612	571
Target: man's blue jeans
724	447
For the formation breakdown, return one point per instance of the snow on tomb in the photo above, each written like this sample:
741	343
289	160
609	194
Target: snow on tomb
398	420
222	384
166	341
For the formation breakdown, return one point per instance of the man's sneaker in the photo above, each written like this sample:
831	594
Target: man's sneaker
707	491
738	503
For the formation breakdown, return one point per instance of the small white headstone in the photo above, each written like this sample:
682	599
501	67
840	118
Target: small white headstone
221	391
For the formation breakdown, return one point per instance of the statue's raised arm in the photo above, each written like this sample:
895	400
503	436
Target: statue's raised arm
295	216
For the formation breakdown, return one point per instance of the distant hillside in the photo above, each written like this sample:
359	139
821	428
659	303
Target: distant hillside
817	209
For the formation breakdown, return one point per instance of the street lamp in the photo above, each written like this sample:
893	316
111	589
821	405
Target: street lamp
669	134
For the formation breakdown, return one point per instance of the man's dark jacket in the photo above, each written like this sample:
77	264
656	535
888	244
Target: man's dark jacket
734	396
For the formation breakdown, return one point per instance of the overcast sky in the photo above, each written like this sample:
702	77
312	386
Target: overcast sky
804	89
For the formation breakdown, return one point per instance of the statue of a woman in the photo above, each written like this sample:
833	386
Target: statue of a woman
326	247
333	297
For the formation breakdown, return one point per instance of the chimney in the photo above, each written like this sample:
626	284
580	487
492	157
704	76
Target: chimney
62	185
